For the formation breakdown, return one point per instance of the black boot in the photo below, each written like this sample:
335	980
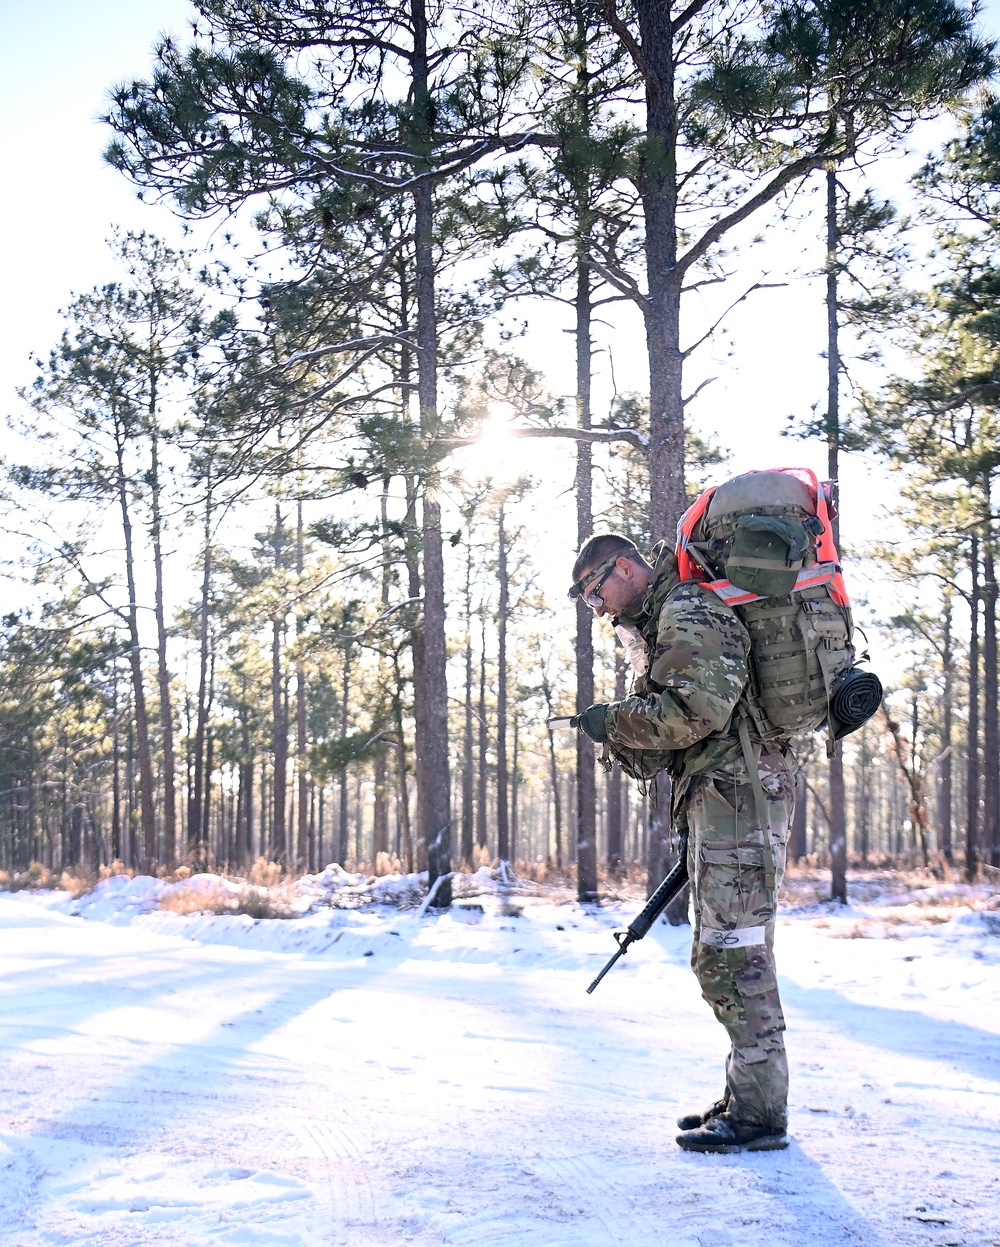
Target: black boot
725	1134
691	1121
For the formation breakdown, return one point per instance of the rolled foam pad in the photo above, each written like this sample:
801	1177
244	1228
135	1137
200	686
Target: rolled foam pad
856	697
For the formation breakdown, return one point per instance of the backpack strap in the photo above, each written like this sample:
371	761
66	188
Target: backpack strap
686	564
823	657
759	796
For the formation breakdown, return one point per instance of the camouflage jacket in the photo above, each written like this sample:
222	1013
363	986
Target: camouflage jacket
682	706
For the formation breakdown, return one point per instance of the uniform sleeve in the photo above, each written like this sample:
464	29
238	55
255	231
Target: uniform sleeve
700	664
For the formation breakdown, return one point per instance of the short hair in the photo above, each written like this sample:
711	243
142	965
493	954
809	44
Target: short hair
600	547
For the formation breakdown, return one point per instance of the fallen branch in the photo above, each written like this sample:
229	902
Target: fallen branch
435	887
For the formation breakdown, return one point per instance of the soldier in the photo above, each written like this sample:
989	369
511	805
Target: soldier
690	653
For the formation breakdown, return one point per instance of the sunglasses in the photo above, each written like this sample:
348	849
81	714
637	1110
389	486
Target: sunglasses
593	599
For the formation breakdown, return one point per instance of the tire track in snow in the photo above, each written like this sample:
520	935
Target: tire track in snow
500	1231
350	1196
575	1188
584	1176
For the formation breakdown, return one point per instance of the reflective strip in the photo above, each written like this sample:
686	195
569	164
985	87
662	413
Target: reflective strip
730	594
741	937
808	578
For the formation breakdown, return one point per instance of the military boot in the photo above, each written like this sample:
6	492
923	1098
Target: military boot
691	1121
724	1133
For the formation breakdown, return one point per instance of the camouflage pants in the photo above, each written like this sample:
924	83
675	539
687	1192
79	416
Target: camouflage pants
732	952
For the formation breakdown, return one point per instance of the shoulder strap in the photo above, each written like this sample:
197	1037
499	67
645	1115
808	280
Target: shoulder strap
685	530
760	799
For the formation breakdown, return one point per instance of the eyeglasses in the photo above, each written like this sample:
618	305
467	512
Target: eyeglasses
593	597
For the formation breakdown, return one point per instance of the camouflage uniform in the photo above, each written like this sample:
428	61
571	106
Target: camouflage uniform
680	718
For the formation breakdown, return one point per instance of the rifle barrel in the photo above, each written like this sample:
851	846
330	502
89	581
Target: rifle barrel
618	954
657	903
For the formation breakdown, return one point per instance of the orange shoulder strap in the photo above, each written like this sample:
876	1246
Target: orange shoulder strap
686	564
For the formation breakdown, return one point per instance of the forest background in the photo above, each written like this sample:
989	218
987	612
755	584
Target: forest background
283	583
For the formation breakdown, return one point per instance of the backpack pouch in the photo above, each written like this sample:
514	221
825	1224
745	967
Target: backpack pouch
767	553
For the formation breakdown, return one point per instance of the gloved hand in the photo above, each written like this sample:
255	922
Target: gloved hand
593	721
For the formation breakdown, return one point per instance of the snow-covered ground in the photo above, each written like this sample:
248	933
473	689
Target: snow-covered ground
368	1076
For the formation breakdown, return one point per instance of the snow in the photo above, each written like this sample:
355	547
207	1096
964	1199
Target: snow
359	1075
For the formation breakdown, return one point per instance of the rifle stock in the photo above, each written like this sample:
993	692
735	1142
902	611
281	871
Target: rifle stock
638	928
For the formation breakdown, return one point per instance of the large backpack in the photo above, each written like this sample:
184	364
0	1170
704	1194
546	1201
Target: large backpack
763	542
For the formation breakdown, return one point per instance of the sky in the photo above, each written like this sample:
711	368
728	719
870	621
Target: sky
59	58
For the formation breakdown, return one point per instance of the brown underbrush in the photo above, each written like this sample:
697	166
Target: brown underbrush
251	899
77	881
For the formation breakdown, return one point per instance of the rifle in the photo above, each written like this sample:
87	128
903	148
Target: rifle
655	906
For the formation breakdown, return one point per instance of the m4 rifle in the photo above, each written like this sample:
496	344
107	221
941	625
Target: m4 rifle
657	903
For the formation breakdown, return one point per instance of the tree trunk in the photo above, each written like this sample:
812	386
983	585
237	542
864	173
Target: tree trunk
119	847
301	855
404	794
244	820
838	813
861	799
345	689
586	782
468	765
514	785
658	192
132	858
662	855
665	457
481	794
433	783
380	765
503	825
206	811
147	815
991	743
163	672
614	782
197	797
797	839
945	763
556	799
416	648
972	773
279	786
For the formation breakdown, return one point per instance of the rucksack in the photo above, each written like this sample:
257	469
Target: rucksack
763	542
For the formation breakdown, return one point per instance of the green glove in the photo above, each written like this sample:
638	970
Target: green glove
593	721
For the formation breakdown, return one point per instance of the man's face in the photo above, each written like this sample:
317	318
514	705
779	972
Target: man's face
608	590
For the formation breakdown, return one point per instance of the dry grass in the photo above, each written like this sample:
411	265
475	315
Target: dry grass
887	903
806	885
253	900
387	864
36	876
